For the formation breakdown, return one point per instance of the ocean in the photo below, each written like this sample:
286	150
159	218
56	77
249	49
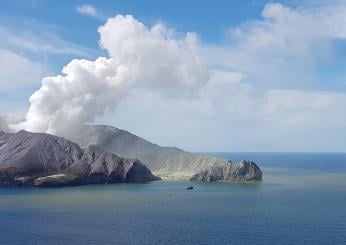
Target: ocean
301	200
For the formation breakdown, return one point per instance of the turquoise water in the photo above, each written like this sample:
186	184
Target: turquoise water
302	200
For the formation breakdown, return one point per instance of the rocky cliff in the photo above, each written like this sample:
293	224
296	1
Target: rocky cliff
242	172
45	160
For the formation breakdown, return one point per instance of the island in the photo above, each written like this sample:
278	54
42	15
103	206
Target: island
105	154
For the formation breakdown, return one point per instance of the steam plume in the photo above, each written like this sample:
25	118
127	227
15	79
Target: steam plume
139	57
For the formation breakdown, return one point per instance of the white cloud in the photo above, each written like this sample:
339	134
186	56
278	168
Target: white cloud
305	109
17	71
291	32
204	97
285	48
87	9
232	116
18	76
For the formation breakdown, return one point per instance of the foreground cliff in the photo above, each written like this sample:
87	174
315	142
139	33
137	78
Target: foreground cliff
45	160
166	162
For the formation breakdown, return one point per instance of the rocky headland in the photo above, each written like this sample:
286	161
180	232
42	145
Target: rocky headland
46	160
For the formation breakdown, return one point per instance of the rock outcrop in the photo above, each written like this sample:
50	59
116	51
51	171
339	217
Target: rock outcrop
45	160
243	172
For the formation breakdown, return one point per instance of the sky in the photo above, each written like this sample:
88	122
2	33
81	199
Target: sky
200	75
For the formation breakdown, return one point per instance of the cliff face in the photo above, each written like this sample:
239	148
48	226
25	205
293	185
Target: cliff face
45	160
242	172
167	162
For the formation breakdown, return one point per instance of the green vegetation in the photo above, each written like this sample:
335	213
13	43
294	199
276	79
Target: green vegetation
56	180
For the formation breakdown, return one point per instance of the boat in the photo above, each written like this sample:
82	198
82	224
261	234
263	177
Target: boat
189	187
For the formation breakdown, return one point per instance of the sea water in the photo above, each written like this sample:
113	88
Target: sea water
301	200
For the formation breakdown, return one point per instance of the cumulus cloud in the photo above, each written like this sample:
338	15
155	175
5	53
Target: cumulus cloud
285	47
139	56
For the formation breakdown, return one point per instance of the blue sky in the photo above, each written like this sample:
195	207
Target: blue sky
210	20
247	74
207	18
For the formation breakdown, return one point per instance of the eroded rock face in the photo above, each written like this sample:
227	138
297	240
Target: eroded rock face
242	172
26	156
